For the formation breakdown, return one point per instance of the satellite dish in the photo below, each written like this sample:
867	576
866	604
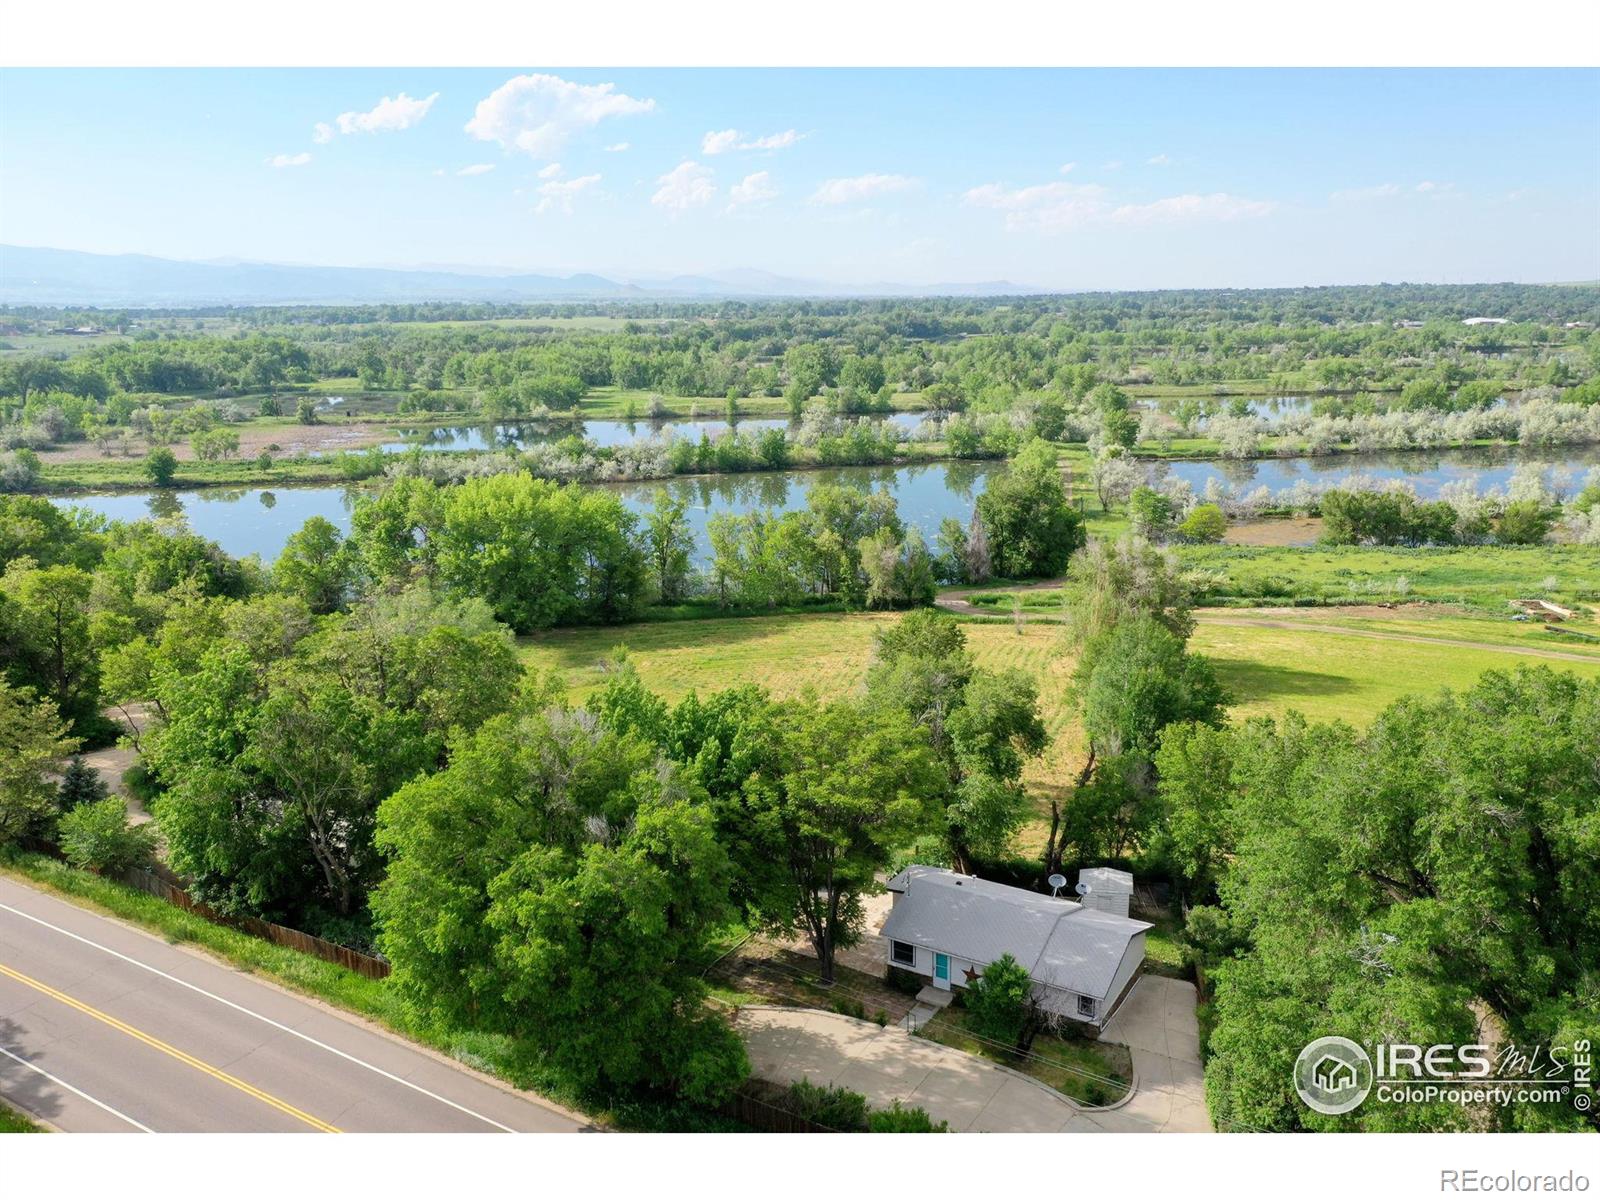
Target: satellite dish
1056	882
1082	889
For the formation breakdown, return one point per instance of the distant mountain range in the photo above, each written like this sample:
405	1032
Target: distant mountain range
39	275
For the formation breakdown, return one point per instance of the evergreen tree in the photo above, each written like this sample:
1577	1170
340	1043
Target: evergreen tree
80	784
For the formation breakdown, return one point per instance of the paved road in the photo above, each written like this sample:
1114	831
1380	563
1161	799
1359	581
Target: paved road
104	1028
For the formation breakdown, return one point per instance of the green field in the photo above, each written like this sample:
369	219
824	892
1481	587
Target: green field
1479	577
1326	675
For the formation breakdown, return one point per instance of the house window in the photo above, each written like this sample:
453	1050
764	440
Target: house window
903	953
1086	1007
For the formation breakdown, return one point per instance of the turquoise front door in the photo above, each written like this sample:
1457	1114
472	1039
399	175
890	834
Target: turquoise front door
941	967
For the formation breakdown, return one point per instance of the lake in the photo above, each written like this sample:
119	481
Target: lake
605	432
1425	470
259	521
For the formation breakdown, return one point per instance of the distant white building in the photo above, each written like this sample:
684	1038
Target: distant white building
1486	321
950	927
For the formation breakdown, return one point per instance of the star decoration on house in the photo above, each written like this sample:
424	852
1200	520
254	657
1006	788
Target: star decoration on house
970	974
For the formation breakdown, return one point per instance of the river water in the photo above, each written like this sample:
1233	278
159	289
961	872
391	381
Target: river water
260	520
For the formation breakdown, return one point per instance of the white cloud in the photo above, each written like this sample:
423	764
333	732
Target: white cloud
1375	192
1429	185
438	170
723	141
289	160
550	171
1066	168
389	115
774	141
560	193
751	190
476	169
1214	206
617	147
860	187
1057	207
1046	207
688	185
1158	160
538	113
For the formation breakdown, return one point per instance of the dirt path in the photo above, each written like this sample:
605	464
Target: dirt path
1267	618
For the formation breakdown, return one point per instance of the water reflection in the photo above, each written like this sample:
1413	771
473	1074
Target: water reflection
1427	471
604	433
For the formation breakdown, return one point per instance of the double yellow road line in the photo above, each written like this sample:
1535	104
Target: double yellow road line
172	1051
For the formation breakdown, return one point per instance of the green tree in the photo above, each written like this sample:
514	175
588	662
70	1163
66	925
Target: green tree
32	738
1150	513
1000	1001
316	565
51	645
211	445
557	884
1364	898
1205	524
1524	523
838	788
80	784
1030	526
983	726
160	465
669	542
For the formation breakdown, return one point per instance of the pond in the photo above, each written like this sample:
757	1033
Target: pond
1427	471
605	432
259	521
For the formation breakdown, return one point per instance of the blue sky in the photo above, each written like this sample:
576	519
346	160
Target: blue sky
1068	179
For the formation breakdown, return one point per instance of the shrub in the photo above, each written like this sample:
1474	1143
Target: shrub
98	836
160	465
834	1107
999	1000
1204	524
897	1119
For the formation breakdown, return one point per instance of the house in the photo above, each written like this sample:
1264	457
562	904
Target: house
1333	1074
1487	321
949	927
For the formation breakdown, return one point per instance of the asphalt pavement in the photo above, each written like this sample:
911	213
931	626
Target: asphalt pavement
105	1028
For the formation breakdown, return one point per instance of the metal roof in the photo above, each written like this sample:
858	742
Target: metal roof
1108	880
1060	942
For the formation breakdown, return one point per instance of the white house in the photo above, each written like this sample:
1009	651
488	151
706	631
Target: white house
949	927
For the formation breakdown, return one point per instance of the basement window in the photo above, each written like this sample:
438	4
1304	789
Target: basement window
1086	1007
903	953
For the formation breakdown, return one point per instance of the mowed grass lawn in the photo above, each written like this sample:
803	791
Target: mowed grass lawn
1269	671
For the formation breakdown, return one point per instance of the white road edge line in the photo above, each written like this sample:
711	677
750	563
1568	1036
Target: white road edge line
76	1092
267	1020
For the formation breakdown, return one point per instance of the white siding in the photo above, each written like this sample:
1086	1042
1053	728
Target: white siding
1132	958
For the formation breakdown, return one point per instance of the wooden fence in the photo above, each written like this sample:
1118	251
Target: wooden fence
164	885
768	1118
168	889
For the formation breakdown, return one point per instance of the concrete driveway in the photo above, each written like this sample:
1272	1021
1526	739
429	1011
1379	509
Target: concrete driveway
973	1094
1157	1023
